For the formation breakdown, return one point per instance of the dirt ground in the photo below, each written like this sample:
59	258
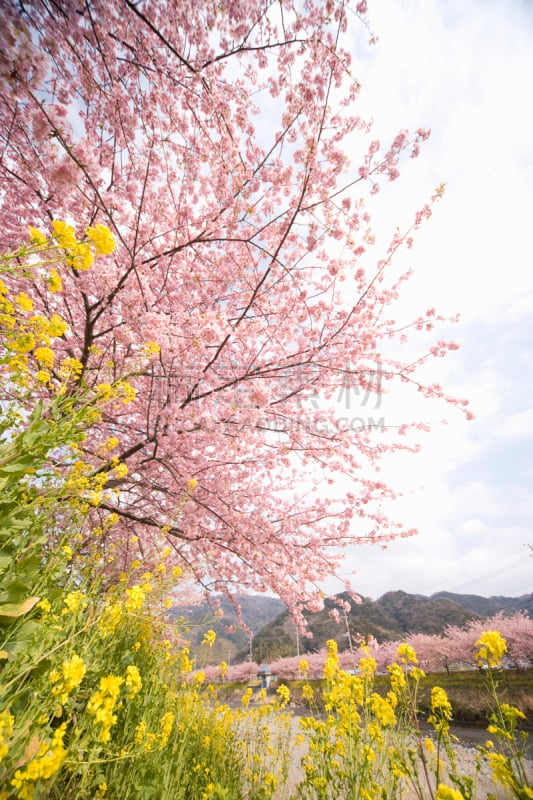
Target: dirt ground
465	756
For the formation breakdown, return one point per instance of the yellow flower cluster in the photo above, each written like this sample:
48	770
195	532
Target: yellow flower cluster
167	723
406	654
73	601
27	335
137	595
70	369
209	638
102	704
46	763
6	729
383	709
303	667
133	681
79	254
492	647
447	793
110	619
101	238
283	694
247	696
68	678
119	390
441	709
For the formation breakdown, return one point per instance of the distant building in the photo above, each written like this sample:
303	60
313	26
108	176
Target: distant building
265	675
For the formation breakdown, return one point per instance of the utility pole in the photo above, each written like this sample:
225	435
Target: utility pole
297	641
251	637
349	635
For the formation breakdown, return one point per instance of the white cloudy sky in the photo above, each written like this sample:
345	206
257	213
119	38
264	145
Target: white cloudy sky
463	68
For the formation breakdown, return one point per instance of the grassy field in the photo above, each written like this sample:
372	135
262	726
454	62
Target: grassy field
469	696
467	691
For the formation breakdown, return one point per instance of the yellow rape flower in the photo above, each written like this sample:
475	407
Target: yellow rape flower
308	693
247	696
69	678
492	647
67	550
56	326
44	356
446	793
110	619
397	677
303	667
37	237
136	597
383	710
128	392
7	721
284	694
209	638
152	349
74	600
106	390
140	732
47	762
24	343
102	703
82	257
101	238
133	681
166	722
64	234
441	709
406	653
121	470
24	302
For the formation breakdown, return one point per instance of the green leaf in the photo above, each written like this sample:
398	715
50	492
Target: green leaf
5	561
15	592
10	611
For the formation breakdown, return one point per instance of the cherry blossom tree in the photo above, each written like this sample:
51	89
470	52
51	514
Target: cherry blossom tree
211	139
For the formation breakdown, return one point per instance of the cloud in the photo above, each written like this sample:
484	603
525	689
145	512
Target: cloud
463	71
518	425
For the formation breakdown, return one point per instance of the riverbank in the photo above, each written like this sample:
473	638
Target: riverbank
468	692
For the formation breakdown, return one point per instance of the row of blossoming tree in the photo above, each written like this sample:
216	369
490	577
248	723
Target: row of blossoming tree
211	139
456	648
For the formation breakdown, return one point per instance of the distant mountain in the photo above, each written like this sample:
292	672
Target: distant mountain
392	616
256	610
489	606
